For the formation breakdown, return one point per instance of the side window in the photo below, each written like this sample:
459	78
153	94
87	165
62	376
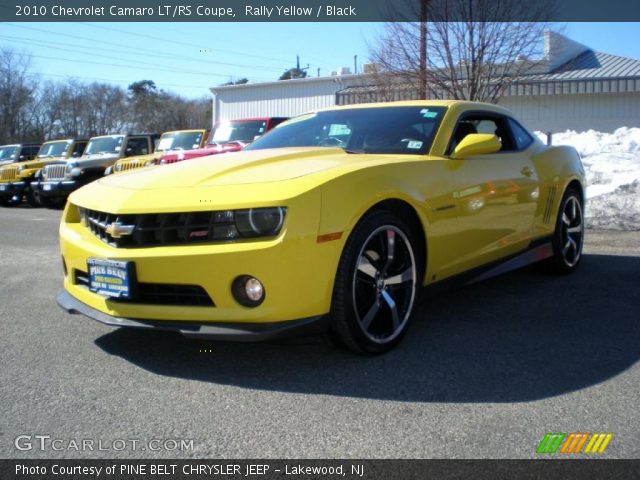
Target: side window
78	149
487	124
276	121
137	146
30	152
521	137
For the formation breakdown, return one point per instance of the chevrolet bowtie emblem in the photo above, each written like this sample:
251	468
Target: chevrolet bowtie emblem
117	229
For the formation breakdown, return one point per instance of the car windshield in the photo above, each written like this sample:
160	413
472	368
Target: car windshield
179	141
237	130
383	130
8	152
105	144
53	149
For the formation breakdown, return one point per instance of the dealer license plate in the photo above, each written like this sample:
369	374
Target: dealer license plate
46	187
111	278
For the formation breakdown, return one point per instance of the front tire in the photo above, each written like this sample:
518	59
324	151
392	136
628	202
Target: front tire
11	201
32	197
376	284
568	237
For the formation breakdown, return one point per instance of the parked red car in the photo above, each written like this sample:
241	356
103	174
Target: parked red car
228	136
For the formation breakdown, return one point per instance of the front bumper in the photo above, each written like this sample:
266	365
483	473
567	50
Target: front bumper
11	189
55	188
241	332
297	272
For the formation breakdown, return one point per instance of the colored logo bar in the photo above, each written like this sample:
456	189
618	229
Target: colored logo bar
574	443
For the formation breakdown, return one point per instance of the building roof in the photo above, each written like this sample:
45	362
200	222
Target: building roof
594	65
291	81
567	67
588	72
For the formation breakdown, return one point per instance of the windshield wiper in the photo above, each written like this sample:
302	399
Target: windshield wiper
346	150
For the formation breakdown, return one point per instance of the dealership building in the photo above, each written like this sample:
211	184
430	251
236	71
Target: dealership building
573	87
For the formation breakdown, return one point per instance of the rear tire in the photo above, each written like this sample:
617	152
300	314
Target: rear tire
568	236
33	199
376	284
53	203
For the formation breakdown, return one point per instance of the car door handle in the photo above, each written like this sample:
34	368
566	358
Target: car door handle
526	171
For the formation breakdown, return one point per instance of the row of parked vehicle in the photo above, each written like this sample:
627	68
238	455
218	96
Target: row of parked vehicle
44	175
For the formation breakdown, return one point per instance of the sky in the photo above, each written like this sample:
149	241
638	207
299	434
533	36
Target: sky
189	58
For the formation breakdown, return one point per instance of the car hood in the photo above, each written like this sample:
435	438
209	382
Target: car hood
141	158
90	157
197	152
248	167
41	162
240	178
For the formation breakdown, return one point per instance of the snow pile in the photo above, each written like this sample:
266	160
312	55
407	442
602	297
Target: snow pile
612	164
618	210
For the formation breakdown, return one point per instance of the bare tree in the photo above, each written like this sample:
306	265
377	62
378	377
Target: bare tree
106	109
16	96
462	49
45	122
37	112
70	101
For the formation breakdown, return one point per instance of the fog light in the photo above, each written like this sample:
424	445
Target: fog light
248	291
254	289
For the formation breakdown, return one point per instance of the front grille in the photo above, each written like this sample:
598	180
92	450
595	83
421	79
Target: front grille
9	173
148	230
159	293
124	166
55	172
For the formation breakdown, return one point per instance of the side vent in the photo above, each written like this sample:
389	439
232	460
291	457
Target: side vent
550	199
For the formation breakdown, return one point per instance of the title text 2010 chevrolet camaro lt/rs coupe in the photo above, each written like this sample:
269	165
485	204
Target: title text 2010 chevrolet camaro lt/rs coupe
330	222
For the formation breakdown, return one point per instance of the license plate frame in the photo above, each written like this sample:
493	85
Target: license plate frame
112	278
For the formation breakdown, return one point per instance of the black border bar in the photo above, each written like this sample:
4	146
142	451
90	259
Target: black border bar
312	10
583	469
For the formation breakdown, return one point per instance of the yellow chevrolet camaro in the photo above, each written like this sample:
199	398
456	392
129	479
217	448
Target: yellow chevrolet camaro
329	223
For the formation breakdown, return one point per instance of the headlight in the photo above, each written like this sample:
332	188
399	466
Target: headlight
211	226
148	163
21	169
73	170
259	222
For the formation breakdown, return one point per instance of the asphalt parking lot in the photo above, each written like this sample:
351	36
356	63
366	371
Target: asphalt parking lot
485	371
